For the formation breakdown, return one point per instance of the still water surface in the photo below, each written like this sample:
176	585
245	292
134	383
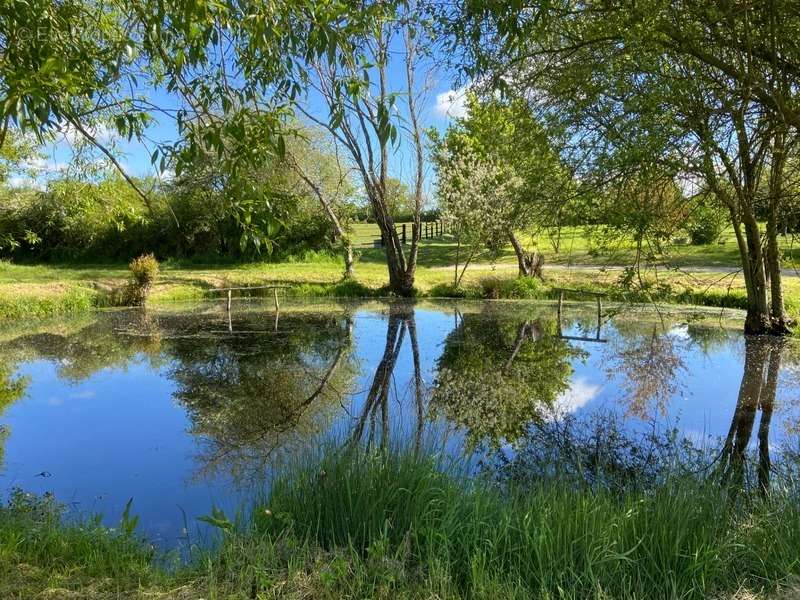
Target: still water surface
183	410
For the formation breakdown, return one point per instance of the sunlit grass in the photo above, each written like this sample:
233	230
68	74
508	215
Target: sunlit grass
387	525
40	290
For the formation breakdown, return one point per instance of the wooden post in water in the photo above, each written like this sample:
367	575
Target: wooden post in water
599	315
560	308
275	297
229	301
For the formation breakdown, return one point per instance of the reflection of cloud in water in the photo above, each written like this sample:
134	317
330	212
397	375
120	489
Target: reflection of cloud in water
83	395
679	332
579	394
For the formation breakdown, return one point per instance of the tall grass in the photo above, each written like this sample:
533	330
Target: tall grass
32	306
359	524
405	524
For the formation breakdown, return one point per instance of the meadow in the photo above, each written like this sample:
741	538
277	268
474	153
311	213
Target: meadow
705	275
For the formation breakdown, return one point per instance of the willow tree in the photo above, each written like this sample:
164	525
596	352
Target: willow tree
79	65
370	111
708	90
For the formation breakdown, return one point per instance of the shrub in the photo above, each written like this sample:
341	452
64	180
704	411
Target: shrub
491	287
521	288
144	271
447	290
517	288
705	224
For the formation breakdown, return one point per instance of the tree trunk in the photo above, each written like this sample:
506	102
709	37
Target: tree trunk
758	320
401	273
779	320
349	269
529	263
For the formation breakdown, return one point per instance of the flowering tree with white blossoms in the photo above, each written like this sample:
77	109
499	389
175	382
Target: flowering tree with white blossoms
476	196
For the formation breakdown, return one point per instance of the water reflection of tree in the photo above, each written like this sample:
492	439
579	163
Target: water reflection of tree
372	424
498	374
248	393
82	347
253	395
762	364
647	367
12	388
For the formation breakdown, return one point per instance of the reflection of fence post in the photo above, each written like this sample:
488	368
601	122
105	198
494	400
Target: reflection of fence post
560	308
599	315
599	310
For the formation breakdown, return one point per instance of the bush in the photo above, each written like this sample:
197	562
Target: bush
705	224
522	288
517	288
144	272
447	290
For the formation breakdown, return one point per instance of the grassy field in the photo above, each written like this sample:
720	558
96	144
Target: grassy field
580	245
364	525
42	290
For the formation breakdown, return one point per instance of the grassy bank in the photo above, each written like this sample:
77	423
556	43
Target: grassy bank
396	526
30	291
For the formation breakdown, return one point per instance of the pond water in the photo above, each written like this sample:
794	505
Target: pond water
185	409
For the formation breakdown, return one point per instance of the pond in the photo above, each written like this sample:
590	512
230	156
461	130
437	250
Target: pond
185	409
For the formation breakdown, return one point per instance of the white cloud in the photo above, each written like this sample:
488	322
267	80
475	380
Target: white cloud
166	175
579	394
101	132
452	103
40	164
24	181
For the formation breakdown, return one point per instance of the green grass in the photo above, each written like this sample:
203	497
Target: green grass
395	525
580	245
39	290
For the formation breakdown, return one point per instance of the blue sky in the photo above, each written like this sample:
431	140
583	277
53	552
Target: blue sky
439	104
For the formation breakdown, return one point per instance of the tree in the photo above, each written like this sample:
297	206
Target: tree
320	168
507	135
705	90
362	112
473	194
219	62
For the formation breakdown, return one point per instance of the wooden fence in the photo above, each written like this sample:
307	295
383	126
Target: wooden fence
430	230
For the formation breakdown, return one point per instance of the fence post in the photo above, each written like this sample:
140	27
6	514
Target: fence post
229	301
404	233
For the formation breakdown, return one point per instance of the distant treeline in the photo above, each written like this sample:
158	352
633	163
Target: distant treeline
108	220
73	220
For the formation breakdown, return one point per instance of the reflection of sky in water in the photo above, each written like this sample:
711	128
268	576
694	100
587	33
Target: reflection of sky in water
99	439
